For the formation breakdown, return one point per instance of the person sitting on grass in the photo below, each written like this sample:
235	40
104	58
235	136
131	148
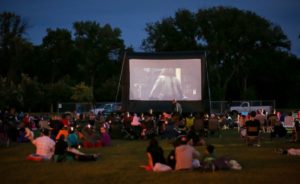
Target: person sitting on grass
156	159
105	137
73	139
91	139
45	147
60	149
64	131
186	155
208	157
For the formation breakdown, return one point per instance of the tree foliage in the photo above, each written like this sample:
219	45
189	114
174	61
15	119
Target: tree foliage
95	44
82	93
247	58
57	50
172	34
242	48
235	41
13	46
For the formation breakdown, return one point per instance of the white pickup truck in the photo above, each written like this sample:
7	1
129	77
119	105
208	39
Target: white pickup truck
246	107
107	108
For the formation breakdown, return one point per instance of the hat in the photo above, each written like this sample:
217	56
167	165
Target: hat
183	139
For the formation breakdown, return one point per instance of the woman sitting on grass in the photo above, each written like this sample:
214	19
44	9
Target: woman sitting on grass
156	159
105	137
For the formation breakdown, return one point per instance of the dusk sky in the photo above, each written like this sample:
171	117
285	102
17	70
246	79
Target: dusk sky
131	16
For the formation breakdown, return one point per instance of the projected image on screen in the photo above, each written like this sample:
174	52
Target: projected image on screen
159	80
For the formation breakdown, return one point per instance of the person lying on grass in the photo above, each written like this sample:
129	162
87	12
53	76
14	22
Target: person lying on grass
63	152
290	151
210	162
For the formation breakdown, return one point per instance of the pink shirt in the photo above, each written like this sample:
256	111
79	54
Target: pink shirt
135	121
289	121
44	146
184	156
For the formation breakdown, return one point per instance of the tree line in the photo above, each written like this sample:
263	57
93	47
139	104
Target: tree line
248	57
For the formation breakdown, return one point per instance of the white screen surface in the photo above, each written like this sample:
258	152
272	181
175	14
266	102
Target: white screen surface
165	79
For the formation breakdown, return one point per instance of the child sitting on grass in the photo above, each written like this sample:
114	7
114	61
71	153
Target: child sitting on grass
208	158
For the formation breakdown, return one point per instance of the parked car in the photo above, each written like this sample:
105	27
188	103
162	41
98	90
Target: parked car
107	108
246	107
98	109
111	107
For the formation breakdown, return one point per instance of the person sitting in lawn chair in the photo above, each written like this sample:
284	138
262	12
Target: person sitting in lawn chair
213	125
289	123
253	128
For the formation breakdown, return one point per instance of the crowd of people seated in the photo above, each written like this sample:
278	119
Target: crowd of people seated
71	131
283	125
185	156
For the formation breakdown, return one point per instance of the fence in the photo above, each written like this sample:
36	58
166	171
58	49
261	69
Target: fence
216	107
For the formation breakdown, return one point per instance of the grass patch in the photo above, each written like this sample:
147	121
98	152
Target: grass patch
120	164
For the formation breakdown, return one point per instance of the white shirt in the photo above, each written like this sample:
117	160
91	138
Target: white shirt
45	146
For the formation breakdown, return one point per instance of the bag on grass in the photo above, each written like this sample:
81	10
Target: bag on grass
221	163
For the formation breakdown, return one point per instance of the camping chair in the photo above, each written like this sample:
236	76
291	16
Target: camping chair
252	135
289	123
213	127
199	127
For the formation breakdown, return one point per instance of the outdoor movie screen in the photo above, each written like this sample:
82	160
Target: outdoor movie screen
165	79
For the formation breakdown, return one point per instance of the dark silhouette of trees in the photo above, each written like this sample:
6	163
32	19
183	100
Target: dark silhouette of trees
243	49
248	58
96	44
13	46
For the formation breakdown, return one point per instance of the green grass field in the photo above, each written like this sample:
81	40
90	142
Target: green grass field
120	164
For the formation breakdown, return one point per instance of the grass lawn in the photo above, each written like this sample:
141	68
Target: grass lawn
120	164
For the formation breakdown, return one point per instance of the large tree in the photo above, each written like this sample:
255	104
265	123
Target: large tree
57	49
13	46
235	42
97	45
173	34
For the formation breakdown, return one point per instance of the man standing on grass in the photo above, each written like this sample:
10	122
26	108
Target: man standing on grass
176	107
